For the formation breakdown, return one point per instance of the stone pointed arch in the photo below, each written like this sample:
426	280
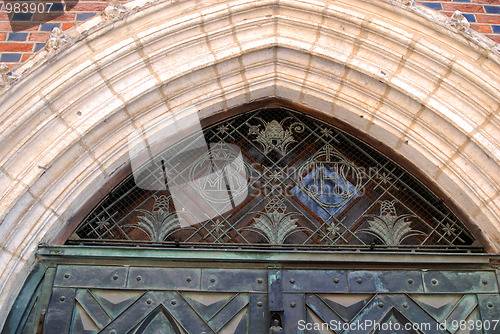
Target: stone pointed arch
401	75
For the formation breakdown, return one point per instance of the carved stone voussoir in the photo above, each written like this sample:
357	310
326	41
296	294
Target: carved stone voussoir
459	21
56	40
114	10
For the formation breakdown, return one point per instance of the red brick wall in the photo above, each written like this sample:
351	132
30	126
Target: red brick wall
23	34
483	15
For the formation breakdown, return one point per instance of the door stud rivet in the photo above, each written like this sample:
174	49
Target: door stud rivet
434	281
113	331
292	304
336	280
173	302
259	280
359	281
149	301
410	281
405	305
484	281
62	299
138	278
380	305
212	279
259	304
188	278
292	280
66	276
115	277
490	305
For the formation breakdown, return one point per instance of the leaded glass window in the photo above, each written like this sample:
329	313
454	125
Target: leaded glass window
308	185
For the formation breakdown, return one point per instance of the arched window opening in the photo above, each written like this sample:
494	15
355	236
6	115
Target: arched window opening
307	185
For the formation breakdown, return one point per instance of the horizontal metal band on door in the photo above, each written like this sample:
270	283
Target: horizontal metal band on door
294	280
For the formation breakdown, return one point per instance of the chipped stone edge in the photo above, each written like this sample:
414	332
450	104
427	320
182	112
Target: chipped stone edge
454	24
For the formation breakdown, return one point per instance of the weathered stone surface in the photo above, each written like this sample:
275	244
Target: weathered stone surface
423	89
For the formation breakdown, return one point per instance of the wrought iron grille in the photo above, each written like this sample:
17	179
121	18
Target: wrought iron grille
309	185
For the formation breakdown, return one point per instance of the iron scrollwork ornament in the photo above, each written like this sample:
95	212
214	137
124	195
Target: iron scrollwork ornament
329	190
275	135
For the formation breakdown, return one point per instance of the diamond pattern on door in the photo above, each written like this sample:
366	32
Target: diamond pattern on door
437	306
207	305
115	302
232	300
346	306
158	321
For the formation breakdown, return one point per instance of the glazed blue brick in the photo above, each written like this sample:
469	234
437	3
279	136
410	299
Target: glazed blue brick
496	29
39	46
17	36
84	16
22	16
57	7
10	57
433	5
492	9
470	17
461	0
49	26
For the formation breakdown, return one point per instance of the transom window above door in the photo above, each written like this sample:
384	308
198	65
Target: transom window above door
295	183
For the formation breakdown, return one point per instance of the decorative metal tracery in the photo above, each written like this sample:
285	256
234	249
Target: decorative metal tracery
275	135
274	223
157	223
389	227
308	185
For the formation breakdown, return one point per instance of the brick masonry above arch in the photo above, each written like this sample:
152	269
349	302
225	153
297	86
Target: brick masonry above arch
423	88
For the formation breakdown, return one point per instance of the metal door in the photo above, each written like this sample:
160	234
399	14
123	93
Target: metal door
389	301
121	299
124	299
